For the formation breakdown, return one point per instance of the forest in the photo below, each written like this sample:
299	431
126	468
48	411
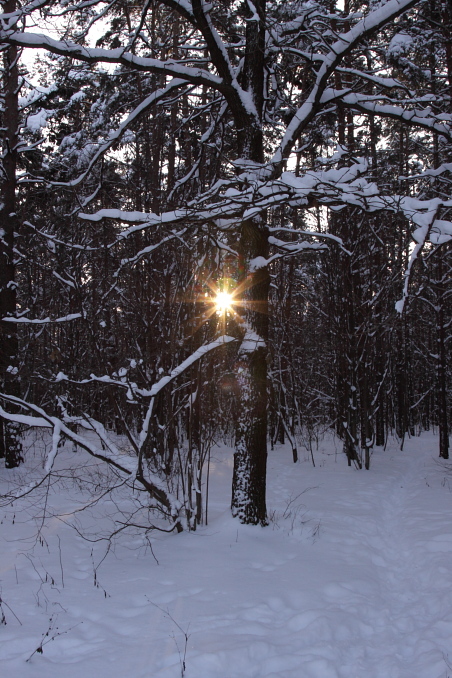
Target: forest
223	221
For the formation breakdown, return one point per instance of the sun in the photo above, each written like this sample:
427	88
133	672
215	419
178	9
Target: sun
223	302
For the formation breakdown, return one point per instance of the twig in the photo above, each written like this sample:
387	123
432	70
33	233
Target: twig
182	657
2	614
61	561
46	637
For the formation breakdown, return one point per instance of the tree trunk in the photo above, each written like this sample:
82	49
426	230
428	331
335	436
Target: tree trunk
250	459
10	444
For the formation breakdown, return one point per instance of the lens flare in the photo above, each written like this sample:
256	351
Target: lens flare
223	302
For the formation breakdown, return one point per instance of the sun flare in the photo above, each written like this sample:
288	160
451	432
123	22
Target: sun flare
223	302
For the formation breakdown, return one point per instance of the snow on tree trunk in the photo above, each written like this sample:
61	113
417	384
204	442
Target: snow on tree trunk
250	459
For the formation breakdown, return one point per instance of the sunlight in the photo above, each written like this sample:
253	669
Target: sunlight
223	302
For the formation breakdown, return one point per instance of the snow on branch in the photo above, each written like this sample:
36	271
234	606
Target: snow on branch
425	223
94	55
232	201
129	465
314	234
147	250
122	382
10	19
43	321
159	385
370	104
344	44
122	462
52	240
150	101
197	355
387	83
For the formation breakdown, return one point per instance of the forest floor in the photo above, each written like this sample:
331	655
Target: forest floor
350	580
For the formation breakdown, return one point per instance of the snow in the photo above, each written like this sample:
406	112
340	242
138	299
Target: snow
329	185
37	121
43	321
400	44
371	22
257	263
33	95
441	231
350	579
78	96
196	355
370	104
122	130
119	56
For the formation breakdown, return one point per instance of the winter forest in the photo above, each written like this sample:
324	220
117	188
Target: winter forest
226	238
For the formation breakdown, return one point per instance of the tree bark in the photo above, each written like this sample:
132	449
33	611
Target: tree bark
250	459
10	444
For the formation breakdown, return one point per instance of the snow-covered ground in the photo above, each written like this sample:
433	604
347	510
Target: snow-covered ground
350	580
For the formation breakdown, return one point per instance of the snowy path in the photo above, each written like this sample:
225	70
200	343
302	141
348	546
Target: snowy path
350	580
394	591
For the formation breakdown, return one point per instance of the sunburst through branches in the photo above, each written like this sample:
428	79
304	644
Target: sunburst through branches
223	302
